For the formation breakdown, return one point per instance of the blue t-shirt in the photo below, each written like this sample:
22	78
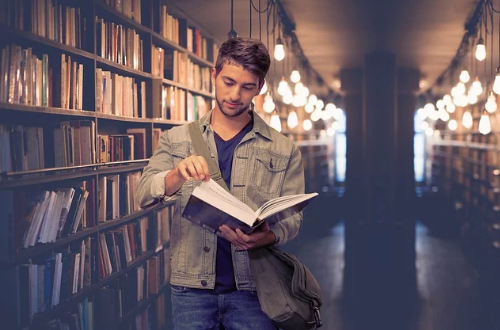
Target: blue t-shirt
224	271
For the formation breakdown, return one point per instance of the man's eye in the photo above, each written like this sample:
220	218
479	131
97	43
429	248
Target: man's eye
248	88
228	83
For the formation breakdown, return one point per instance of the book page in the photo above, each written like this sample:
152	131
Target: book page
281	203
212	193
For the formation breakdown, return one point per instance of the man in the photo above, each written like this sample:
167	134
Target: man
212	284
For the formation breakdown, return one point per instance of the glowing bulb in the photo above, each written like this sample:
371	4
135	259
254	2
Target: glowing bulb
269	105
282	87
443	114
309	107
496	84
471	97
316	115
491	103
467	120
320	104
440	104
312	99
305	92
480	50
275	122
296	102
452	124
330	131
263	90
476	87
288	98
447	99
464	76
484	124
307	125
429	131
292	120
460	88
338	113
299	87
295	76
279	50
450	108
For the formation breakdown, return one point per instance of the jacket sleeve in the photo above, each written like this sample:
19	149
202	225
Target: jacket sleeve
159	163
293	184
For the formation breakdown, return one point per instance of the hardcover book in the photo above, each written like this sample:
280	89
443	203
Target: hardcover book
211	206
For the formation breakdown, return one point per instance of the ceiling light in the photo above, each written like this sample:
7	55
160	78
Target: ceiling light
279	50
480	50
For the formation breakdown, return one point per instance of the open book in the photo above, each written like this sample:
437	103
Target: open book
211	206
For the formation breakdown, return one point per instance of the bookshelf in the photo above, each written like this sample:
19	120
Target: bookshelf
86	89
464	167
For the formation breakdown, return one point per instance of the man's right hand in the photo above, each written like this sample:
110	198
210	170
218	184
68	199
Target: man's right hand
191	168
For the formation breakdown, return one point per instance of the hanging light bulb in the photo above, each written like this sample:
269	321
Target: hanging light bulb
476	87
471	97
316	115
279	50
298	88
429	131
288	98
263	90
460	88
440	104
309	107
447	99
452	124
296	102
480	50
275	122
484	124
491	103
338	113
450	108
305	92
320	104
282	87
292	120
330	131
443	114
312	99
496	84
269	105
307	125
467	119
295	76
464	76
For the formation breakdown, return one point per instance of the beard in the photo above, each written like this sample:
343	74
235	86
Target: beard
230	112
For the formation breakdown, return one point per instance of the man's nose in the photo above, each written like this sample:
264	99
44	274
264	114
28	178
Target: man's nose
235	93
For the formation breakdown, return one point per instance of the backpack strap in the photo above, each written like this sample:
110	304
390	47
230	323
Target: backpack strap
201	149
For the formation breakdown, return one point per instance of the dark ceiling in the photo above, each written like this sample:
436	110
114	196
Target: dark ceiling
335	34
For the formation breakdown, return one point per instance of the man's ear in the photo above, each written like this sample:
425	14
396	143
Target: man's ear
261	84
214	75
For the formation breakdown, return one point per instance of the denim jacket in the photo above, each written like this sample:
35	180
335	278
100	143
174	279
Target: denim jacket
266	165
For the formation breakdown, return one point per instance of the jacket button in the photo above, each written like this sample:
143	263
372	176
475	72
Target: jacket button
206	249
204	283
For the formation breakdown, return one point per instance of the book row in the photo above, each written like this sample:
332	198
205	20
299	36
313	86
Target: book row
119	44
129	8
28	79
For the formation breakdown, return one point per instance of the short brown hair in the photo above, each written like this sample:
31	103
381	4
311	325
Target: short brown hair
251	54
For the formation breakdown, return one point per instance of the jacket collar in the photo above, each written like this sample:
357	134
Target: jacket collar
259	125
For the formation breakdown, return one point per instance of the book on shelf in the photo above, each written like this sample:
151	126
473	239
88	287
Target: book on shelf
211	206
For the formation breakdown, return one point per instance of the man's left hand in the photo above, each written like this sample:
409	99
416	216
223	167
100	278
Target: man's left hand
262	237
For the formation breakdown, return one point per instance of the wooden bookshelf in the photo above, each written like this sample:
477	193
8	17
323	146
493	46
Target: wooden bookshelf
63	149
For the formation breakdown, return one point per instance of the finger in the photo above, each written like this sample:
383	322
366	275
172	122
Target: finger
200	172
183	172
205	168
191	170
244	237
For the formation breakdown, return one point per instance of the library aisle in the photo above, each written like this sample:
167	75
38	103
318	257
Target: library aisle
448	292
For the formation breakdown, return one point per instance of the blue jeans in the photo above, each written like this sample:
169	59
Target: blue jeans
204	310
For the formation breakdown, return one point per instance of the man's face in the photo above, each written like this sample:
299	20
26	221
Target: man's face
234	89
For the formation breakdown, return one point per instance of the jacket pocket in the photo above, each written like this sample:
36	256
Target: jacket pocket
268	171
179	152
